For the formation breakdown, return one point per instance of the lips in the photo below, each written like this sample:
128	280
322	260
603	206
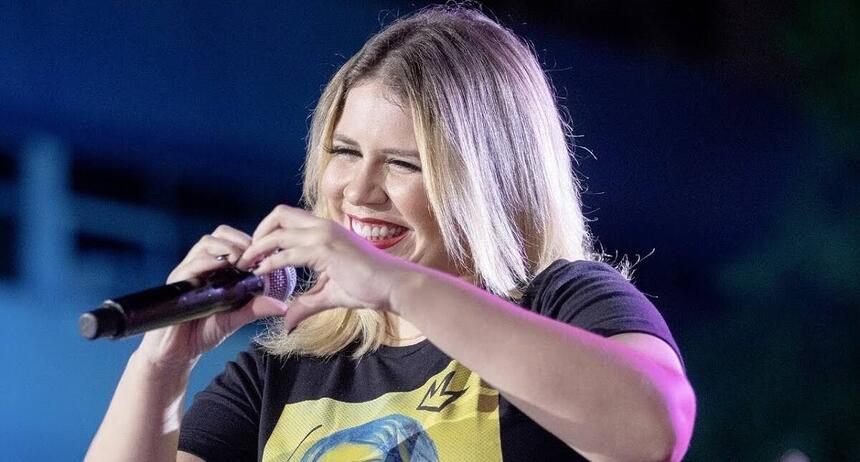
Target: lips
386	243
381	234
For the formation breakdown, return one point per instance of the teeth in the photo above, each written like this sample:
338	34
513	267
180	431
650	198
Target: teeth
375	232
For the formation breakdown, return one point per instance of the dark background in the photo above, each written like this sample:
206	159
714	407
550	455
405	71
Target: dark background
725	153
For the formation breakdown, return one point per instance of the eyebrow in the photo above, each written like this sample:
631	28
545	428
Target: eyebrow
395	152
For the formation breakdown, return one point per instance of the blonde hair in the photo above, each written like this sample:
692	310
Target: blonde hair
495	154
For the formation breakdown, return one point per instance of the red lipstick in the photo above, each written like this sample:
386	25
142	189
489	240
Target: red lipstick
379	243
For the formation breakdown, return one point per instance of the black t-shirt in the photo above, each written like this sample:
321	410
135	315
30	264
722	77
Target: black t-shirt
410	403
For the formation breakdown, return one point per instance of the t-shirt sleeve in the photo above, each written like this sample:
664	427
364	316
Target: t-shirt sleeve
596	297
223	421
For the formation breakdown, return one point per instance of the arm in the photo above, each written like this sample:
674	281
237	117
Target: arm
610	399
143	419
142	422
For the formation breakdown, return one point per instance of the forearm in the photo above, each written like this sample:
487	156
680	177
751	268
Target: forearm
597	395
142	421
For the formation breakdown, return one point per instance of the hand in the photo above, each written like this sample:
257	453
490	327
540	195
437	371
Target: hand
182	345
351	272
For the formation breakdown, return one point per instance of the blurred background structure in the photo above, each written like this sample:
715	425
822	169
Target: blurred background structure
725	141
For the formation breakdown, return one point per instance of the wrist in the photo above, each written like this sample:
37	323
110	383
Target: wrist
162	369
159	390
405	287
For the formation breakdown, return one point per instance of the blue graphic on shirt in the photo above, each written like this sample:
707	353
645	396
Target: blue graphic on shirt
393	438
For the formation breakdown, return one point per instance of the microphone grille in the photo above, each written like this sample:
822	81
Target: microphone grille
281	283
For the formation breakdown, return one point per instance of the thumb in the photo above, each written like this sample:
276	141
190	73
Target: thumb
258	308
298	312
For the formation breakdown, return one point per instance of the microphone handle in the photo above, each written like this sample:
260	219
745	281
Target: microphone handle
222	290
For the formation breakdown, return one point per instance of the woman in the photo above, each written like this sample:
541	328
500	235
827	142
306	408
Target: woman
459	312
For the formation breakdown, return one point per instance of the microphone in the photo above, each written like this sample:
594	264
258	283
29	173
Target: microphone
224	289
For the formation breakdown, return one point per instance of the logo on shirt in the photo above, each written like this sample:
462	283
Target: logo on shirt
453	416
431	396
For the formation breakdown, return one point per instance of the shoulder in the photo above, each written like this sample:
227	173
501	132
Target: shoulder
594	296
575	277
579	267
566	269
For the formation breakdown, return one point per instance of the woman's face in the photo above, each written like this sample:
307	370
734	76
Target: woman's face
373	183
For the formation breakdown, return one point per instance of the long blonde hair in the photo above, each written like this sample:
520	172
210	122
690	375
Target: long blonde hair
495	154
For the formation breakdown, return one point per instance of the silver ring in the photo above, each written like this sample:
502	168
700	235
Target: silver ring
222	257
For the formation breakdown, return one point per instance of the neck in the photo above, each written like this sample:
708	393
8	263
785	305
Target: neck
400	332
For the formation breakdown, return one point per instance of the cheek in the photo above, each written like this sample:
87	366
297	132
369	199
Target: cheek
411	199
333	182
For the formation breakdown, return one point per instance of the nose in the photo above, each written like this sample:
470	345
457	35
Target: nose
364	187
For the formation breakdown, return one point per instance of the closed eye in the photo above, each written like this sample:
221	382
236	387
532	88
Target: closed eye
401	164
405	165
343	151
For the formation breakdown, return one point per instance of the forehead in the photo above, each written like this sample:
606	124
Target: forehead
371	111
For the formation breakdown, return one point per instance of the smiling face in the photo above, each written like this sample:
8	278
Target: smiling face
373	183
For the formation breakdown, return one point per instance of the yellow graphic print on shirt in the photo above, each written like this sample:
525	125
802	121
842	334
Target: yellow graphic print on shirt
454	416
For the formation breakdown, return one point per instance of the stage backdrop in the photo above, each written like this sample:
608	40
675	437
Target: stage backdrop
719	141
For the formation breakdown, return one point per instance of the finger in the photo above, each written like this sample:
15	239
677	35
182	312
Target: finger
237	237
195	268
326	298
321	281
294	256
212	246
267	245
284	216
258	308
298	312
201	256
318	301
